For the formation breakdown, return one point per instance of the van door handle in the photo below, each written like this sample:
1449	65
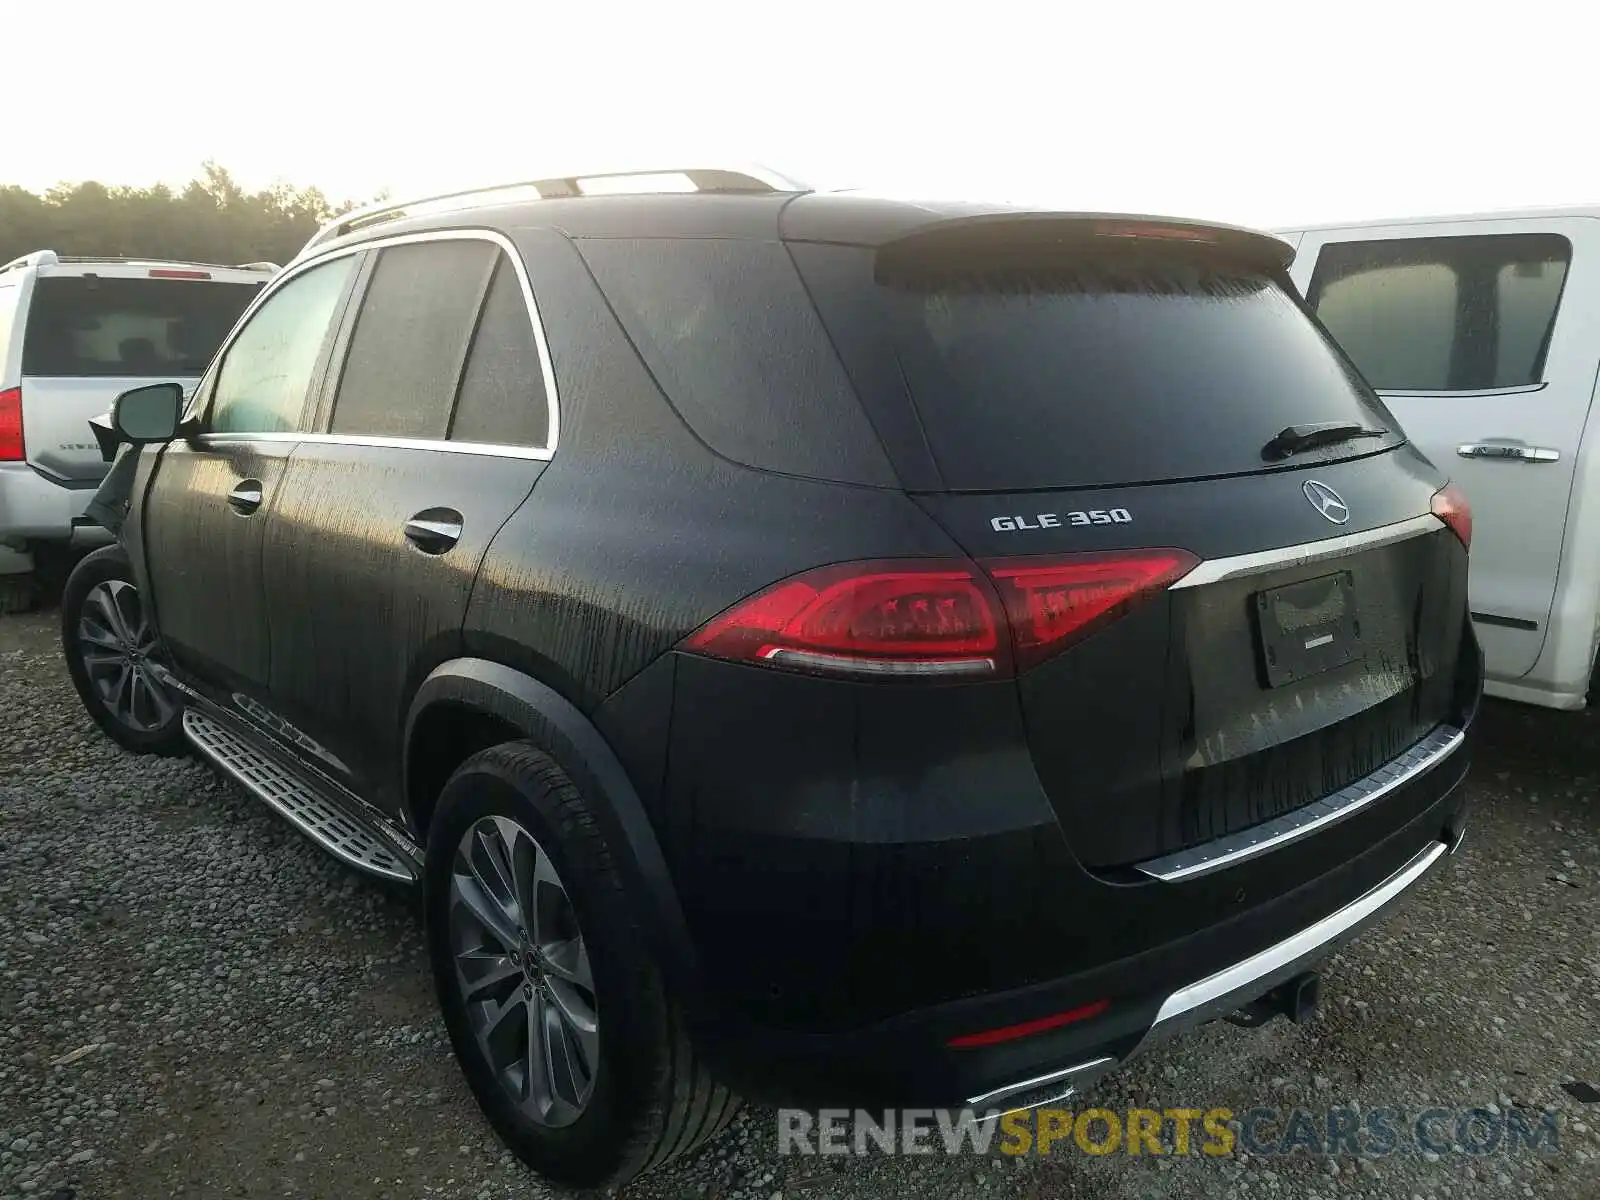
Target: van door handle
1508	450
246	496
434	530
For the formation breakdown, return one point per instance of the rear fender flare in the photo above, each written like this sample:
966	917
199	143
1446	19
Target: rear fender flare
561	730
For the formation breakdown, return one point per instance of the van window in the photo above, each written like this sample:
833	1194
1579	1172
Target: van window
98	326
1443	314
8	312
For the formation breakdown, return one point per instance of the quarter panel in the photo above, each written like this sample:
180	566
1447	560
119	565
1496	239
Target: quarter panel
637	534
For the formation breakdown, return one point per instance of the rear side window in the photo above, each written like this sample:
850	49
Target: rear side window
502	398
1047	369
95	326
727	329
411	337
1444	314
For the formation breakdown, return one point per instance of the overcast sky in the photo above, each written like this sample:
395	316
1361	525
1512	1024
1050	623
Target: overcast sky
1266	114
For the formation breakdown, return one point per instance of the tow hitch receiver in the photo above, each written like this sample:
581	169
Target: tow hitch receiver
1294	998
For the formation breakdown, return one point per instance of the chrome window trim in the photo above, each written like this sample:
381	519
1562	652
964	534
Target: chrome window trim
1234	848
486	449
294	270
1515	389
1216	570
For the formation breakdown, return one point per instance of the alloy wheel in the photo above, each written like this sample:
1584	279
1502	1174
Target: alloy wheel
118	649
523	970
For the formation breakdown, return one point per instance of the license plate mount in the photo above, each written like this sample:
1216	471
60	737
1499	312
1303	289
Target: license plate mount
1306	628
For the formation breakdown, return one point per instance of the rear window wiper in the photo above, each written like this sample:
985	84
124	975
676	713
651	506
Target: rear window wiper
1298	438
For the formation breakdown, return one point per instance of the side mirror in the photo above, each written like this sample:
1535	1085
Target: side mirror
148	414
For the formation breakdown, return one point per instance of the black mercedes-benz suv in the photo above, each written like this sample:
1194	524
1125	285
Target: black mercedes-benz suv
803	645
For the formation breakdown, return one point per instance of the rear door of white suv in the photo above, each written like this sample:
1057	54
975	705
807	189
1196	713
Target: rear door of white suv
1482	336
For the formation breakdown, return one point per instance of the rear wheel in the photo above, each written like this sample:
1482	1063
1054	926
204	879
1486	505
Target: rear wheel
114	659
558	1016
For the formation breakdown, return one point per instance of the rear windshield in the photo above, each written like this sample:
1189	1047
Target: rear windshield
1044	370
95	326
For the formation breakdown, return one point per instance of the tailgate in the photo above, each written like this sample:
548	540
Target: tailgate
55	422
1296	658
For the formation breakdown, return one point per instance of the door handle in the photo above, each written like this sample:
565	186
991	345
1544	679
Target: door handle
1508	450
434	530
246	496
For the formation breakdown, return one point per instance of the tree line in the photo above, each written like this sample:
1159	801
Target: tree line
211	219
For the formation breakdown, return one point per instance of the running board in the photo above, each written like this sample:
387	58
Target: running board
281	789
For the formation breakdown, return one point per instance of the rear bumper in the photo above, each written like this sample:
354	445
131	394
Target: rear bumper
907	1060
34	508
1227	990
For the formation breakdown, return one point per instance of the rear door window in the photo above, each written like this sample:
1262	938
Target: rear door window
411	338
1444	314
502	400
98	326
1078	369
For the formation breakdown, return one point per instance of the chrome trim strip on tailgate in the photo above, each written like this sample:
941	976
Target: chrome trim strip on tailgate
1221	993
1215	570
1233	848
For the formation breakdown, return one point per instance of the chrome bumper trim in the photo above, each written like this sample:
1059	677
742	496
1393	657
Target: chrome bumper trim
1234	848
1228	989
1050	1084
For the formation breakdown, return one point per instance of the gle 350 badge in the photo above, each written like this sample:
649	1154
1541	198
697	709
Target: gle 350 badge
1092	516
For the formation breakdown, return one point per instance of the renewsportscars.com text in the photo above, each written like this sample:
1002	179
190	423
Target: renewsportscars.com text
1216	1132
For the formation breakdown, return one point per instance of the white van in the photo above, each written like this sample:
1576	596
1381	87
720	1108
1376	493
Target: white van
75	332
1483	335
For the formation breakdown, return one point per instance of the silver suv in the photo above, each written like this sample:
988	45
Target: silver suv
75	332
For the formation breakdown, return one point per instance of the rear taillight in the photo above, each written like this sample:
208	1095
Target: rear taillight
1051	603
11	448
174	273
936	618
1450	506
917	617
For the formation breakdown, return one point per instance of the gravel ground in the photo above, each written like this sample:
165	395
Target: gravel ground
196	1002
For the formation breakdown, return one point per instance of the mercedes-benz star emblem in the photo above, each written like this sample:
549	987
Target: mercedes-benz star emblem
1326	501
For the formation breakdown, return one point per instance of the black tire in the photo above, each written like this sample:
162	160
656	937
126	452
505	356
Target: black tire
652	1099
18	593
158	734
52	567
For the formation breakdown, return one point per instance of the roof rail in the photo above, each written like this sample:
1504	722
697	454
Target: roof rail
743	180
39	258
49	258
